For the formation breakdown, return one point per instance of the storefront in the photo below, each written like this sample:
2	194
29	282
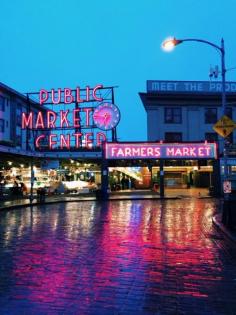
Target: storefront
157	166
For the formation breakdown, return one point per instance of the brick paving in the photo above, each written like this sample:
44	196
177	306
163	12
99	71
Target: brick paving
141	257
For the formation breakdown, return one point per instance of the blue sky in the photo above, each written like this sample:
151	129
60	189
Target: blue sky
68	43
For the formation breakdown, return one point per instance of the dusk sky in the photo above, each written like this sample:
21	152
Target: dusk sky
68	43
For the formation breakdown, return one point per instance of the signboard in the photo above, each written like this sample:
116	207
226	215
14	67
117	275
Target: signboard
189	86
227	187
160	151
72	118
224	126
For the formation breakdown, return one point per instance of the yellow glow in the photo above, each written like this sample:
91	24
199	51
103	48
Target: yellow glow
168	44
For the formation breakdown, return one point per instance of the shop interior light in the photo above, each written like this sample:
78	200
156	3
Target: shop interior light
21	165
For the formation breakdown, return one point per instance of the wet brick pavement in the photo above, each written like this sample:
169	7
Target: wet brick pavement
141	257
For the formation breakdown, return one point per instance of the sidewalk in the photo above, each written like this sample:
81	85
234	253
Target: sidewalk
217	222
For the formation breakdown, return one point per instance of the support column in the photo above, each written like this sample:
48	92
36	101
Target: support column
31	180
216	178
162	188
104	175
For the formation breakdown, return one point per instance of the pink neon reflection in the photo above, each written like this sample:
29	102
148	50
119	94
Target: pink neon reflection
140	246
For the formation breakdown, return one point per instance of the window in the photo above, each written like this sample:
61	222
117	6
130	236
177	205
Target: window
210	115
18	120
2	103
173	115
211	136
173	136
229	112
18	140
2	125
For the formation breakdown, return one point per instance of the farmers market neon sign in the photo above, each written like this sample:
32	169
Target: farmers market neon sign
160	151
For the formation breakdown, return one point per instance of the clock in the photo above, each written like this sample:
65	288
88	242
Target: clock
106	116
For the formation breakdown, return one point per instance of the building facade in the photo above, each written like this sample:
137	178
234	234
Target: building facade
12	104
178	111
186	111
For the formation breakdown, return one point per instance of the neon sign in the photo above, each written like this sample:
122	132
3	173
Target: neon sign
75	118
68	96
160	151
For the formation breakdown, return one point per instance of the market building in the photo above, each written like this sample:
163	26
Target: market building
65	141
56	145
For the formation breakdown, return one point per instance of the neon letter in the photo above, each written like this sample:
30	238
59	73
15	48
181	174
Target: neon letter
76	120
100	86
87	93
63	115
87	110
38	140
64	141
100	138
27	121
51	141
68	98
88	141
39	121
51	123
43	96
113	151
78	99
58	96
77	136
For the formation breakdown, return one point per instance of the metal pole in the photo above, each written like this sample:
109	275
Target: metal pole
223	71
31	180
104	175
226	217
113	131
162	182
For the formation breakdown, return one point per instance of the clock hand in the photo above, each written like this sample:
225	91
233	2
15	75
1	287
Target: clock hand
106	118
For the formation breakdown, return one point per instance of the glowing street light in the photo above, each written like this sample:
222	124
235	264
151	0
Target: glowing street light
170	43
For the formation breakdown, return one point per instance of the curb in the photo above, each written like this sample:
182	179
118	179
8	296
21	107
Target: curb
12	207
26	205
217	222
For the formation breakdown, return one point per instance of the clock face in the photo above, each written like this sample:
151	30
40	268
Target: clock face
106	116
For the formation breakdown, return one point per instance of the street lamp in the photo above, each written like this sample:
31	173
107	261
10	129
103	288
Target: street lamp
169	44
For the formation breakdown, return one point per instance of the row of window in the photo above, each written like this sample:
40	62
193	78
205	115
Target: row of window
173	115
177	136
3	125
3	103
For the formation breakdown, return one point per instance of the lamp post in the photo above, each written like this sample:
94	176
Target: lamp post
169	45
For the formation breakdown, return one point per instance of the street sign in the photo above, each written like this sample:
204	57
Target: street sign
224	126
227	187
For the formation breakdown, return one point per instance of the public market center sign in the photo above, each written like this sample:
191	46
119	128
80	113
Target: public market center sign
69	118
